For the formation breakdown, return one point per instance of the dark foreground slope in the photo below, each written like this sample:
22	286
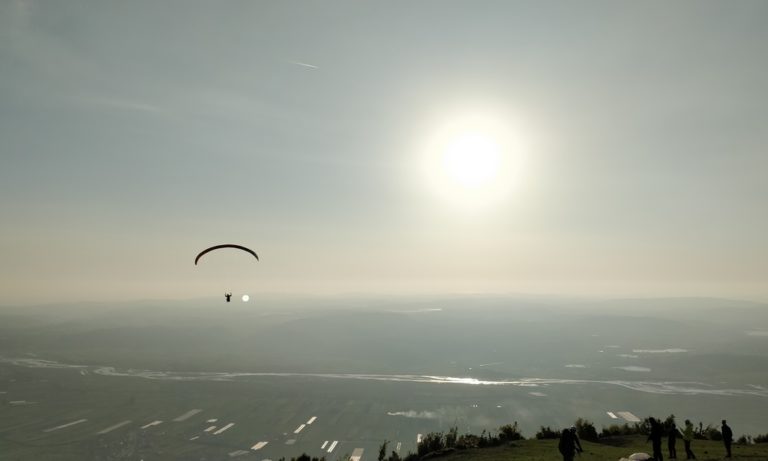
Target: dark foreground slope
610	449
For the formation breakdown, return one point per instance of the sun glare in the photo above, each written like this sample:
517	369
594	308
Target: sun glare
472	161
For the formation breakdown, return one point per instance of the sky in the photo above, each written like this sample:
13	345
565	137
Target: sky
601	148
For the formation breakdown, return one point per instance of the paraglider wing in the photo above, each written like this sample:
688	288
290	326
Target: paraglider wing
640	457
226	245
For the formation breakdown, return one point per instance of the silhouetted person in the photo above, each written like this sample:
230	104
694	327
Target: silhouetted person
672	441
727	439
227	295
687	437
655	437
569	444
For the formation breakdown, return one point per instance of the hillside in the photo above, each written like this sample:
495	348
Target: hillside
610	449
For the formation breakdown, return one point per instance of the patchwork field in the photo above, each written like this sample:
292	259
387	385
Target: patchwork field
115	417
134	384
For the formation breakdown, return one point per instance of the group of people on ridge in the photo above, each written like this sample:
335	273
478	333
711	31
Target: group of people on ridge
570	445
657	432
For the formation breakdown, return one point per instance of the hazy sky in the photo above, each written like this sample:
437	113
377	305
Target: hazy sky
134	134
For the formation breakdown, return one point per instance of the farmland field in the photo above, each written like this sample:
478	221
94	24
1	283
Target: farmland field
145	382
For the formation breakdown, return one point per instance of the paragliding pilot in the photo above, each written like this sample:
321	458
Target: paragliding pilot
569	444
227	295
727	439
656	432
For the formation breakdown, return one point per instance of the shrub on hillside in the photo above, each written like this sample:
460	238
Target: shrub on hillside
620	430
644	427
744	440
429	443
488	440
510	432
485	439
467	441
709	432
547	433
586	430
439	442
451	437
383	450
761	438
667	424
304	457
713	433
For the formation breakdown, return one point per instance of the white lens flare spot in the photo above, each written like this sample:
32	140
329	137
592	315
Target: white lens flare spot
246	298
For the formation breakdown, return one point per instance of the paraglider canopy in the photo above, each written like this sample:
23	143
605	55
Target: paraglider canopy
226	245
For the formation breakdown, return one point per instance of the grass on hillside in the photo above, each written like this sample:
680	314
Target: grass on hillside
612	449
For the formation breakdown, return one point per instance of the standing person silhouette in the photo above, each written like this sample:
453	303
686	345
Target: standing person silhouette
655	438
727	439
687	437
227	295
569	444
672	436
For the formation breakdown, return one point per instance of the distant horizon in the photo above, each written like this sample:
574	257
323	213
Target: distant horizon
257	297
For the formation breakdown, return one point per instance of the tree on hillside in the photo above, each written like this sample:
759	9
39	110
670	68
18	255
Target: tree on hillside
621	430
429	443
451	437
383	450
586	430
510	432
547	433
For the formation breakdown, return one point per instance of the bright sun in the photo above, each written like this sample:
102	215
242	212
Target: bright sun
472	161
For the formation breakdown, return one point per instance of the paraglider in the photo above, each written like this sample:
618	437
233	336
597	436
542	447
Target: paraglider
228	295
226	245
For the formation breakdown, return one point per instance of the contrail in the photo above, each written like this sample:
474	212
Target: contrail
303	64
